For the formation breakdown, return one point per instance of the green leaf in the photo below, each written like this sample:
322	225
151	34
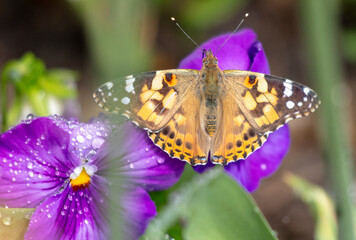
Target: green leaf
319	203
210	206
223	210
54	86
39	101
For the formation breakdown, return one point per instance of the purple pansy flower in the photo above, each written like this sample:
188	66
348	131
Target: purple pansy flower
244	52
63	168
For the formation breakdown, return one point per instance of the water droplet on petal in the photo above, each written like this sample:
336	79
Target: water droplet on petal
30	116
49	215
132	165
29	165
97	142
80	138
263	166
7	220
160	160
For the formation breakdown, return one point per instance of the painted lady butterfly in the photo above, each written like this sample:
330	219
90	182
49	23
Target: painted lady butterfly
195	114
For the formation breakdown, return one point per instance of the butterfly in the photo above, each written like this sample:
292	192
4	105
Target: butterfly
215	115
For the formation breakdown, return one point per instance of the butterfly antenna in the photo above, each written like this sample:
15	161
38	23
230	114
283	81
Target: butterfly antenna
238	26
174	20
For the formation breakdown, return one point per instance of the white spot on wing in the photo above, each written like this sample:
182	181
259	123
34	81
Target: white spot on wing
305	99
109	85
288	92
290	104
300	104
288	88
125	100
115	99
129	88
130	80
306	90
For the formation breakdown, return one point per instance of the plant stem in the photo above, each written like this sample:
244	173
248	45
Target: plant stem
319	22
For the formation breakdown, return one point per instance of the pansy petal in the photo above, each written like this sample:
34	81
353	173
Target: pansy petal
131	152
70	215
262	163
139	209
34	162
233	55
258	58
85	138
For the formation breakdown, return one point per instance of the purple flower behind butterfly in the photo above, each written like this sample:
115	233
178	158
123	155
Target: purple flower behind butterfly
65	169
244	52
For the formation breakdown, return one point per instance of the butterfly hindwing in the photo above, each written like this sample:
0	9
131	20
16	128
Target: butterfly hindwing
148	99
267	101
235	138
183	136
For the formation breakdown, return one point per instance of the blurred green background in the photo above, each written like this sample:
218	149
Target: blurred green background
312	42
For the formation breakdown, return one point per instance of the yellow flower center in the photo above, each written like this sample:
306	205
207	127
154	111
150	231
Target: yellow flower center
81	181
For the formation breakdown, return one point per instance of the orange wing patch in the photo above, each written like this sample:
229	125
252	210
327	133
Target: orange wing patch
235	138
183	137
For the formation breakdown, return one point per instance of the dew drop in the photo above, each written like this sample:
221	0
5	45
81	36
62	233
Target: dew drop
49	215
146	149
8	220
63	213
160	160
30	116
80	138
263	166
29	165
97	142
132	165
28	215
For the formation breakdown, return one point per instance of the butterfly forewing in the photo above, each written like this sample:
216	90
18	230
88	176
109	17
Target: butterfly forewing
148	99
267	101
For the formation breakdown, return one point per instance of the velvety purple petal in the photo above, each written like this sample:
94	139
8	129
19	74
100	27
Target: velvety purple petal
203	168
34	162
133	153
71	215
139	210
263	162
258	58
85	138
237	53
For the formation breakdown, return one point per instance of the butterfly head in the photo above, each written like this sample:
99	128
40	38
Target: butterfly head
209	61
